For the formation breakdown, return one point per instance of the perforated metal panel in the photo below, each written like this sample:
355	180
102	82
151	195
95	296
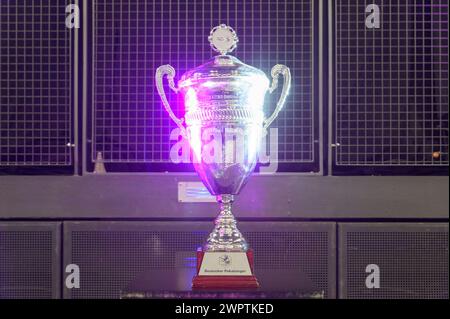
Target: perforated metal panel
391	103
132	38
110	254
309	247
35	78
412	260
29	260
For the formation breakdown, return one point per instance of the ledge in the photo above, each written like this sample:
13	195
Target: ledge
265	197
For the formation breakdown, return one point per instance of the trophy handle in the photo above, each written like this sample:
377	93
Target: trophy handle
276	71
170	72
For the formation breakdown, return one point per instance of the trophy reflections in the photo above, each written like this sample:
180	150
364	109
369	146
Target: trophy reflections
224	123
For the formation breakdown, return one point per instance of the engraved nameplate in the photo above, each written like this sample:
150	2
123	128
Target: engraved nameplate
225	264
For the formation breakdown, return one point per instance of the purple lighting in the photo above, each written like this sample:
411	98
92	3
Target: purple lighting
132	38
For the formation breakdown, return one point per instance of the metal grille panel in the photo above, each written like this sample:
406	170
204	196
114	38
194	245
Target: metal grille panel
308	247
118	257
28	261
112	254
133	38
392	84
412	258
112	258
35	78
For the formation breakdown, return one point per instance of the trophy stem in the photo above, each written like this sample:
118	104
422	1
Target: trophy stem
226	236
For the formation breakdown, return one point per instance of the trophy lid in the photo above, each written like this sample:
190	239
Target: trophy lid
223	39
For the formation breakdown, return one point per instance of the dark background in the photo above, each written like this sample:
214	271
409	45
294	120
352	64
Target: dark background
363	142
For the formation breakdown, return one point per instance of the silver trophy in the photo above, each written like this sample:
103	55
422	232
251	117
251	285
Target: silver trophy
224	123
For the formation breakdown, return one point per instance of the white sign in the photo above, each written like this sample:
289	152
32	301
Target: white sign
225	264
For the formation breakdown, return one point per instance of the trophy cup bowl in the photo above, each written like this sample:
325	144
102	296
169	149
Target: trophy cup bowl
224	123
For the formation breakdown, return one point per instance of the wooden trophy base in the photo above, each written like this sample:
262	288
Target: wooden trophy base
225	270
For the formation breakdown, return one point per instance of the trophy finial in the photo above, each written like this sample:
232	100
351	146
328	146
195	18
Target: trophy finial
223	39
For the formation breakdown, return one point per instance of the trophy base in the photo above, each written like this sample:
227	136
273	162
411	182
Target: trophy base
219	282
225	270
